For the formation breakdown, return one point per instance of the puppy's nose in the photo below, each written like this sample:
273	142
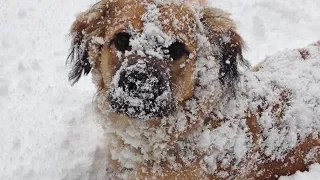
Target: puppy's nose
142	91
147	84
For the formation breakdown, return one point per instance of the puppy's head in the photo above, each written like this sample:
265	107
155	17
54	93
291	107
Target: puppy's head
145	55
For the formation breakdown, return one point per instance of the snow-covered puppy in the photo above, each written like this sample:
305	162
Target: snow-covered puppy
175	104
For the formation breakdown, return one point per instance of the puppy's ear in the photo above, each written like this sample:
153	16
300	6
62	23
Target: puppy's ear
227	43
87	26
79	57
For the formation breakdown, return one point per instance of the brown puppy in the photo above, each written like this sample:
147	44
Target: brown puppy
174	103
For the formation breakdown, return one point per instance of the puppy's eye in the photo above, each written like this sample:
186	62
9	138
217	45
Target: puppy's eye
121	41
177	50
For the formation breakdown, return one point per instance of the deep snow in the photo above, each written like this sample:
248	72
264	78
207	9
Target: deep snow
48	130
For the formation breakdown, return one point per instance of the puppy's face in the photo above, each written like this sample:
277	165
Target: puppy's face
144	54
147	64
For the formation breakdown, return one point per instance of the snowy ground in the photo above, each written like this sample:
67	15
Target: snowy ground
47	129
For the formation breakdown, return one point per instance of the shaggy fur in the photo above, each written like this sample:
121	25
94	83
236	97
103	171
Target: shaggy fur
94	50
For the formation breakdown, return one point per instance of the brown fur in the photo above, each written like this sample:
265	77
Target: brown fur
104	20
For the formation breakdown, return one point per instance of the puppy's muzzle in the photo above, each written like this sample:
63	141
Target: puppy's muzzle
141	89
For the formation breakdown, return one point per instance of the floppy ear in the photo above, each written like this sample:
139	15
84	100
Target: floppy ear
221	31
87	26
79	56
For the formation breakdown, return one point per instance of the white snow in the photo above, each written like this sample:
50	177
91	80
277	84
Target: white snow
269	26
48	129
312	174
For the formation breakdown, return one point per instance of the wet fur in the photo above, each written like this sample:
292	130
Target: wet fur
86	56
216	22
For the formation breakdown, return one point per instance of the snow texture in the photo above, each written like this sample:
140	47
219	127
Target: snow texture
137	90
312	174
289	73
49	131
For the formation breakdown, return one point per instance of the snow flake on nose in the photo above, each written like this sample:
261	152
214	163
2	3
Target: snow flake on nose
140	91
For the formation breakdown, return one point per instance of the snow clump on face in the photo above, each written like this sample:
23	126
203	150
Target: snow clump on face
140	91
152	40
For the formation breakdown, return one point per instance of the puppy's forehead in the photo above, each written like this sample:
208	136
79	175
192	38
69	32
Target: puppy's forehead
179	20
175	19
123	13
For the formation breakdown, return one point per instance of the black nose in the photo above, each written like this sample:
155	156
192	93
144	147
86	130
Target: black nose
148	84
142	92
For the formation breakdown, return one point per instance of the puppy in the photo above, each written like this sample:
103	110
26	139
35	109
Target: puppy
175	104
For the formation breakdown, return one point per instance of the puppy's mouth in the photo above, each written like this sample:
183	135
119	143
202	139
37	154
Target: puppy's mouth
141	90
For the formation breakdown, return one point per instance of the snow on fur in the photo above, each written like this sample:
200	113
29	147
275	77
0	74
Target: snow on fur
47	128
231	141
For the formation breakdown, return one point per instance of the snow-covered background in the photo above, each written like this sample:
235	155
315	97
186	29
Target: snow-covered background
47	128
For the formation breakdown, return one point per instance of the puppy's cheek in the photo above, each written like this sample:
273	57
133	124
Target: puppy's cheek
97	78
184	81
108	65
94	56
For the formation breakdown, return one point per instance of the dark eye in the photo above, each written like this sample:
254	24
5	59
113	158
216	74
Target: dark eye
177	50
121	41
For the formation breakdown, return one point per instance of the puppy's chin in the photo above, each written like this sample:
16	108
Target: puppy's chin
140	90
